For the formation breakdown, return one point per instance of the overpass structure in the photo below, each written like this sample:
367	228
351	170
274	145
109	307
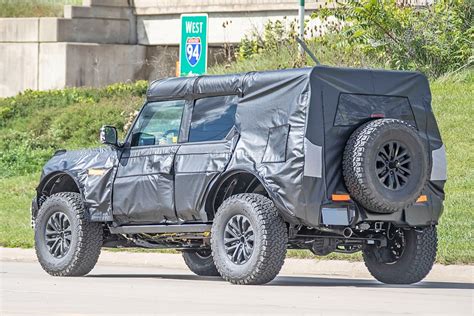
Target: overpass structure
107	41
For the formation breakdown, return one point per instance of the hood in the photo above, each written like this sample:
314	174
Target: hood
77	162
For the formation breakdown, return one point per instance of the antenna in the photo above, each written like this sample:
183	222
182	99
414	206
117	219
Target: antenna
306	49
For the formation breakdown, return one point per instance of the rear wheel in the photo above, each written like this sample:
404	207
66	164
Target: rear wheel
200	262
385	165
66	243
248	239
408	257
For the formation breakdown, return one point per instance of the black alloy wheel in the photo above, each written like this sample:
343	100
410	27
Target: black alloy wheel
393	165
239	239
57	234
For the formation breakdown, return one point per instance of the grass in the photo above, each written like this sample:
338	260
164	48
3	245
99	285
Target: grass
453	105
34	8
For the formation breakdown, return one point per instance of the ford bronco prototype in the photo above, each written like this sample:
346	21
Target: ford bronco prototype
233	170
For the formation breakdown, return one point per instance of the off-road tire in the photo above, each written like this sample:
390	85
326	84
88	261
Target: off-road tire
270	242
86	241
415	263
200	262
359	161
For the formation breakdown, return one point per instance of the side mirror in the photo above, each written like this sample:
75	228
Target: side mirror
108	135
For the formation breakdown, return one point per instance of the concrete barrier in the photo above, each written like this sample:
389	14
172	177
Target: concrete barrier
19	30
107	41
18	67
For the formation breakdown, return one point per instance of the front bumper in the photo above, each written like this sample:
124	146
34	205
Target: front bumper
34	211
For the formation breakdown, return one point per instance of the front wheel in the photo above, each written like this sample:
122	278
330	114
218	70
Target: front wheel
248	239
66	243
408	257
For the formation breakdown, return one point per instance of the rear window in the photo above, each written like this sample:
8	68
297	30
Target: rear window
212	118
353	109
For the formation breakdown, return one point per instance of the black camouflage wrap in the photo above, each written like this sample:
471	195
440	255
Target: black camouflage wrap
290	130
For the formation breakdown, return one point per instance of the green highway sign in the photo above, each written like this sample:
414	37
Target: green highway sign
193	45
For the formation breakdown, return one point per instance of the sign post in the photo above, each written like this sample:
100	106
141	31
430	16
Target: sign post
301	25
193	45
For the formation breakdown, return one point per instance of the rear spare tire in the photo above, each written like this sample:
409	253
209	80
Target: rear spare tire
385	165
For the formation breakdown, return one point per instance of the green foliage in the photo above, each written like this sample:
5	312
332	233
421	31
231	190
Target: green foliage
328	50
276	35
34	8
434	39
36	123
276	48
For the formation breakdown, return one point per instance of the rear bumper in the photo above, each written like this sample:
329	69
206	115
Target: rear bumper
351	214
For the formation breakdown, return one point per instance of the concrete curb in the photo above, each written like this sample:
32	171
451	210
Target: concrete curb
328	268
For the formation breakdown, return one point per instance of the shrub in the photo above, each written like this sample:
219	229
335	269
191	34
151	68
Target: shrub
435	39
36	123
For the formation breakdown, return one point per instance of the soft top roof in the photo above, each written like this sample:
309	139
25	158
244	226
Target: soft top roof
209	85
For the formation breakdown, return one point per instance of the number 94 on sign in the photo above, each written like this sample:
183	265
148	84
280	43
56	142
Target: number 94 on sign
193	50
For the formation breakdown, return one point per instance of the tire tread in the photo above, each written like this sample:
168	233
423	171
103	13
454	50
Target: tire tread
89	238
274	239
416	268
354	173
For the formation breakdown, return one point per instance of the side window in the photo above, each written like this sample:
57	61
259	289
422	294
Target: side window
212	118
158	124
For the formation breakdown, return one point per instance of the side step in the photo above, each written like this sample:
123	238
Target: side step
156	229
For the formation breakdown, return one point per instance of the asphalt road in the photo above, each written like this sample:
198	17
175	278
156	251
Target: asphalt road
26	289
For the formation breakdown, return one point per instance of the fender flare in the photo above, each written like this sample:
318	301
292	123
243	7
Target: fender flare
52	175
213	186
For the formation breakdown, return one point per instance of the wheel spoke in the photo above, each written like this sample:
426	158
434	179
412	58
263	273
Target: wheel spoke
402	177
404	161
390	153
238	239
251	238
406	172
401	154
230	240
397	183
383	172
397	147
54	246
383	155
235	254
58	234
56	221
390	181
50	227
61	249
234	228
384	177
51	237
392	165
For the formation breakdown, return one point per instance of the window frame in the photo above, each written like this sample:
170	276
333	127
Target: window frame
128	142
231	131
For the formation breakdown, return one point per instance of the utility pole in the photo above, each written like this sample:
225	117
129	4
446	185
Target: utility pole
301	25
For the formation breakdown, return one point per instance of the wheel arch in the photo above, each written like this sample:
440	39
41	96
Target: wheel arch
234	182
55	182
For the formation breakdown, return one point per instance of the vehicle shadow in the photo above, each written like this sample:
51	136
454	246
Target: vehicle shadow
299	281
